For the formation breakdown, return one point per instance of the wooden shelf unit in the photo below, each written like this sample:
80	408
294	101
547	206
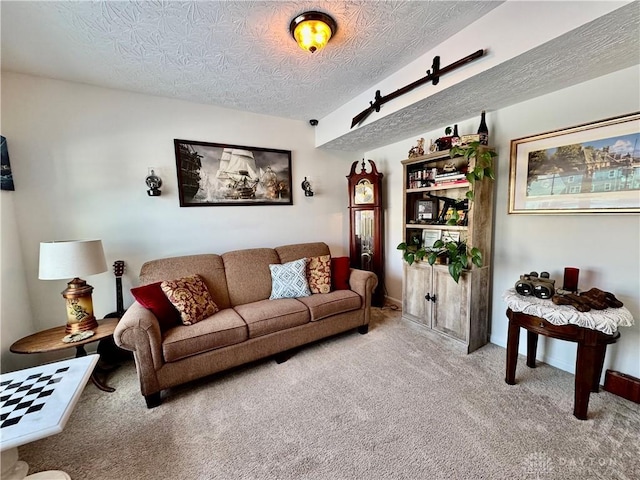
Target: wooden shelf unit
456	313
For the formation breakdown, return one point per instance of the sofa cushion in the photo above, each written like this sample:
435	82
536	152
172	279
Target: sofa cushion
190	297
340	272
268	316
289	280
209	266
248	274
288	253
338	301
153	298
219	330
319	274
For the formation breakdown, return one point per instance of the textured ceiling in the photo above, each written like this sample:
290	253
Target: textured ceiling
239	54
605	45
236	54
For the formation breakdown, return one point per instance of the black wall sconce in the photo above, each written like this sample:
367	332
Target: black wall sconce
154	182
306	186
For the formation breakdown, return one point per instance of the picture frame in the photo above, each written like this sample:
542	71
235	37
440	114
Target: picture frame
589	168
5	165
219	174
426	210
429	237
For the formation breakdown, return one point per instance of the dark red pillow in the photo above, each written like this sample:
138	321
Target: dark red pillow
340	272
153	298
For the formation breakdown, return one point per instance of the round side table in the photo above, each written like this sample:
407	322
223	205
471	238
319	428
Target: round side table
51	341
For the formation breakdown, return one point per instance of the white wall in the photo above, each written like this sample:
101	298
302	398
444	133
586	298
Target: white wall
605	247
79	156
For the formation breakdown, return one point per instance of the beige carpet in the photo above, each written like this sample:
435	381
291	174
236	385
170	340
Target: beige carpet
391	404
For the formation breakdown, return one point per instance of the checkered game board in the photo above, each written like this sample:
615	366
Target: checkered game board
27	395
37	402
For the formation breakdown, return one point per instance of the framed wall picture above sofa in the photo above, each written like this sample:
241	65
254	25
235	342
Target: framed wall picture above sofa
216	174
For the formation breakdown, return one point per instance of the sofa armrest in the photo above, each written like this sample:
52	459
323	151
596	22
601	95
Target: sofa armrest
363	283
139	331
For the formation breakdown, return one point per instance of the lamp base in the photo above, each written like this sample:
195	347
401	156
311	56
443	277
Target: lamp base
83	325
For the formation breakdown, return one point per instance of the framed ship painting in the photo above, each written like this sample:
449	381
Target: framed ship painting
590	168
7	176
215	174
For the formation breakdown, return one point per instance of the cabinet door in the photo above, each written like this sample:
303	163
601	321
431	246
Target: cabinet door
417	283
451	309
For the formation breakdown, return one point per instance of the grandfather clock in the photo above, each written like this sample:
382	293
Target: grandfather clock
366	244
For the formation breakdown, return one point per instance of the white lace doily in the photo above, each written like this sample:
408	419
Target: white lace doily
606	321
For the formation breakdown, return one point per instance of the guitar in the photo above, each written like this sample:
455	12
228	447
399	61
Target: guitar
110	354
118	271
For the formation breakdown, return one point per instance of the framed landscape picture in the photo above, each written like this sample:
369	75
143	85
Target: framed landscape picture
590	168
216	174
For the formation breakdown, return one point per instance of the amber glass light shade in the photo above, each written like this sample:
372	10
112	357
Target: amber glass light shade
312	30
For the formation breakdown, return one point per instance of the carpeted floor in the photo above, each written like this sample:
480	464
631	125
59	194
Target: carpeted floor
392	404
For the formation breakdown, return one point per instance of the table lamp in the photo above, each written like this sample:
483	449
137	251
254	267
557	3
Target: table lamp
74	258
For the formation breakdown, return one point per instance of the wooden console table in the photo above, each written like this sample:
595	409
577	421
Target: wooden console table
592	331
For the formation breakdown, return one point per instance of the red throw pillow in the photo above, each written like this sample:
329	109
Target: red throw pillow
340	272
153	298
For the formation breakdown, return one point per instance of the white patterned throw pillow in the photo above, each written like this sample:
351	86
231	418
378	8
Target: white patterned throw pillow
289	280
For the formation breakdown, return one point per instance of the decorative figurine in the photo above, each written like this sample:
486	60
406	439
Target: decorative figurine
418	150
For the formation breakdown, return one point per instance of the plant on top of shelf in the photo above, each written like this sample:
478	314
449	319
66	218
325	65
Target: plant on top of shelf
484	163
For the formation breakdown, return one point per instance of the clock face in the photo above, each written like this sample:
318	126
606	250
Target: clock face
364	192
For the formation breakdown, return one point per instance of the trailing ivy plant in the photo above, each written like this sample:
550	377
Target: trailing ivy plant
484	163
457	253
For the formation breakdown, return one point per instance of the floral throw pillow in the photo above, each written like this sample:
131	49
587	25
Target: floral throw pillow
319	274
191	298
289	280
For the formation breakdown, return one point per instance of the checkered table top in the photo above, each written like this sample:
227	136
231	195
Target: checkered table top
36	402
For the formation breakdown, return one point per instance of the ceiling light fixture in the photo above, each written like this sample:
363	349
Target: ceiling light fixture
312	30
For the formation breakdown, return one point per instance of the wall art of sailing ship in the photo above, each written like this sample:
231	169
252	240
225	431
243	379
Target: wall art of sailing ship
212	174
5	166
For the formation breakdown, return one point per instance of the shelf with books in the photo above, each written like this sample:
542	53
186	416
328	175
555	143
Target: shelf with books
436	192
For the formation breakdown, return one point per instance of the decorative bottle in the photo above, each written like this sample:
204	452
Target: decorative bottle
483	130
455	138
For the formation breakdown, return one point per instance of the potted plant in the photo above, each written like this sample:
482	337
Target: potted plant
484	163
456	253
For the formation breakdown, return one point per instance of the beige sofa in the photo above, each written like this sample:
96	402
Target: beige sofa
248	325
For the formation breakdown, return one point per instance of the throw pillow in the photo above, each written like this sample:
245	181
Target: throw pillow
289	280
153	298
340	272
319	274
191	298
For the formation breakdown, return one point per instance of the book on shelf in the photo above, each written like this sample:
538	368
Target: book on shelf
454	174
456	181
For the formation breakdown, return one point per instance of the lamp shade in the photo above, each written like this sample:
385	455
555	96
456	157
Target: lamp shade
71	258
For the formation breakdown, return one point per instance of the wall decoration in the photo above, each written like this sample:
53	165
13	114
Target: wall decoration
215	174
7	176
589	168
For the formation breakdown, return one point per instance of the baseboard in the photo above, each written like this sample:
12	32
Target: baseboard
623	385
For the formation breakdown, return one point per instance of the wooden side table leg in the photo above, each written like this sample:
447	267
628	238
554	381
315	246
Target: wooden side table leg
513	339
601	350
81	352
585	370
532	347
